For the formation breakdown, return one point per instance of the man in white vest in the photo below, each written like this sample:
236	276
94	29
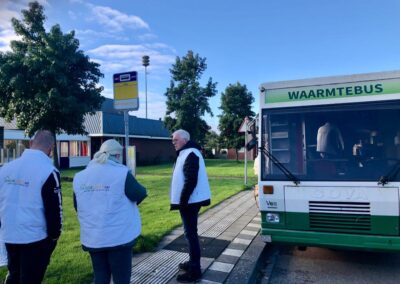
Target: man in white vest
189	191
106	197
30	210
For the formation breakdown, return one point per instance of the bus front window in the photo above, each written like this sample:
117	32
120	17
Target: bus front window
332	144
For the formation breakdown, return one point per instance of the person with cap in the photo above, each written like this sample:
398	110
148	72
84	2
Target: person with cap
189	191
30	210
106	197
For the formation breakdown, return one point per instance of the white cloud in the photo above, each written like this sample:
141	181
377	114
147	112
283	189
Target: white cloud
91	34
6	36
117	20
126	57
108	93
147	37
11	9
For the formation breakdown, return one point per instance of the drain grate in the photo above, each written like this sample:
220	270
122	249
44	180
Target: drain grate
158	268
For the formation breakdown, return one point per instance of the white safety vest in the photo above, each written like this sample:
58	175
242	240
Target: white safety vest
107	217
202	189
21	204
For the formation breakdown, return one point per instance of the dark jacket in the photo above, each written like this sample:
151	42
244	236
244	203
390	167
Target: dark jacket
190	172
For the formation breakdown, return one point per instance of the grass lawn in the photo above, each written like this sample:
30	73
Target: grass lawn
69	264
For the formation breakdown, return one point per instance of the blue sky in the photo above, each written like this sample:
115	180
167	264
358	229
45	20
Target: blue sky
250	42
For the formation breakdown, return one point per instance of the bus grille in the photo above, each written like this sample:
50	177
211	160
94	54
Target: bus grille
340	216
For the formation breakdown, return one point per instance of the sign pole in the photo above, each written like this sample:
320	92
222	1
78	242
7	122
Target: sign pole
126	120
245	151
126	98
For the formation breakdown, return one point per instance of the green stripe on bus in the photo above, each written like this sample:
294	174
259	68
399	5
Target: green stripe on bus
333	240
336	223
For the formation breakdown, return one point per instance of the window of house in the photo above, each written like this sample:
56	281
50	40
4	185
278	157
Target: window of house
78	148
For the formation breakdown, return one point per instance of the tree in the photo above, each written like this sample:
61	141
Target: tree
235	105
46	82
187	101
211	142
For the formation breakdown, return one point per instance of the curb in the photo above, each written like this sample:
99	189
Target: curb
246	269
266	268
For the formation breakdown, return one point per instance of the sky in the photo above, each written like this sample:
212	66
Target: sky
251	42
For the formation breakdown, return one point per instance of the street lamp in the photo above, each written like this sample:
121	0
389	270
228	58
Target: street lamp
145	63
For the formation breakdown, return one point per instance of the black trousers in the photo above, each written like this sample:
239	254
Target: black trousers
27	263
189	217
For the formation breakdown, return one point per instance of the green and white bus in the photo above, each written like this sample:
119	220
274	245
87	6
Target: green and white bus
330	158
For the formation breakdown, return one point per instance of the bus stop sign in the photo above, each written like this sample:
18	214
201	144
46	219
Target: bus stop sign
126	91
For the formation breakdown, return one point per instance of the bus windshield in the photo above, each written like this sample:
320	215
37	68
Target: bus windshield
341	142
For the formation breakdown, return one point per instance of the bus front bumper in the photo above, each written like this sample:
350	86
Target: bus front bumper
334	240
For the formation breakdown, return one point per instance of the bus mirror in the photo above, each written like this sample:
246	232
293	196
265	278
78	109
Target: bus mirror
251	144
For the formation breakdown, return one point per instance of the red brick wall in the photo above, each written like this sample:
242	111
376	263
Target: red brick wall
250	155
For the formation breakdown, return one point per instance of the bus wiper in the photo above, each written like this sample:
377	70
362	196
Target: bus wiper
280	166
394	170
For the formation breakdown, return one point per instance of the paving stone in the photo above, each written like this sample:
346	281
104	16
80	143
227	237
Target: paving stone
203	281
227	259
233	252
227	230
246	237
241	241
248	232
252	225
215	276
221	266
226	237
238	246
254	250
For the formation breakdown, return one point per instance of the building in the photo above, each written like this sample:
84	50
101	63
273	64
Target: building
151	139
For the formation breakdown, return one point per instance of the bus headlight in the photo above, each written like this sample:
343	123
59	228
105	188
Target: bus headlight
273	218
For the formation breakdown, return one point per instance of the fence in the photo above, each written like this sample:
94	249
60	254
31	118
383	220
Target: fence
7	155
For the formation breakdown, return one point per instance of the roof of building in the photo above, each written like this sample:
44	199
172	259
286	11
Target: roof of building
109	121
8	125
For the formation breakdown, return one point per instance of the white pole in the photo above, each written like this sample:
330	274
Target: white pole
126	120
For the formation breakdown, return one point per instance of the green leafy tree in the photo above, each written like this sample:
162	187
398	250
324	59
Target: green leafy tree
235	105
46	82
187	101
212	142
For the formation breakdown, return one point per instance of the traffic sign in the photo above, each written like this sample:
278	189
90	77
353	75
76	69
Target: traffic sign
126	91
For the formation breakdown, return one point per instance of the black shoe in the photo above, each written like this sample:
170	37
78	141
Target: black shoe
184	266
188	277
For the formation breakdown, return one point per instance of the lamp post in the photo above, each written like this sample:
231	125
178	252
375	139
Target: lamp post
145	62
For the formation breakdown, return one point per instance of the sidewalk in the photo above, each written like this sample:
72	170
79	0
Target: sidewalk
230	248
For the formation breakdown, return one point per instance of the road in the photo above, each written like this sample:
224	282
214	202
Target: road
286	264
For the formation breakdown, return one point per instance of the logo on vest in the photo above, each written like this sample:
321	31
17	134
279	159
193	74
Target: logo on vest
19	182
94	187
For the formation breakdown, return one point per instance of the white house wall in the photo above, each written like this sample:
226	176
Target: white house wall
12	134
78	161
